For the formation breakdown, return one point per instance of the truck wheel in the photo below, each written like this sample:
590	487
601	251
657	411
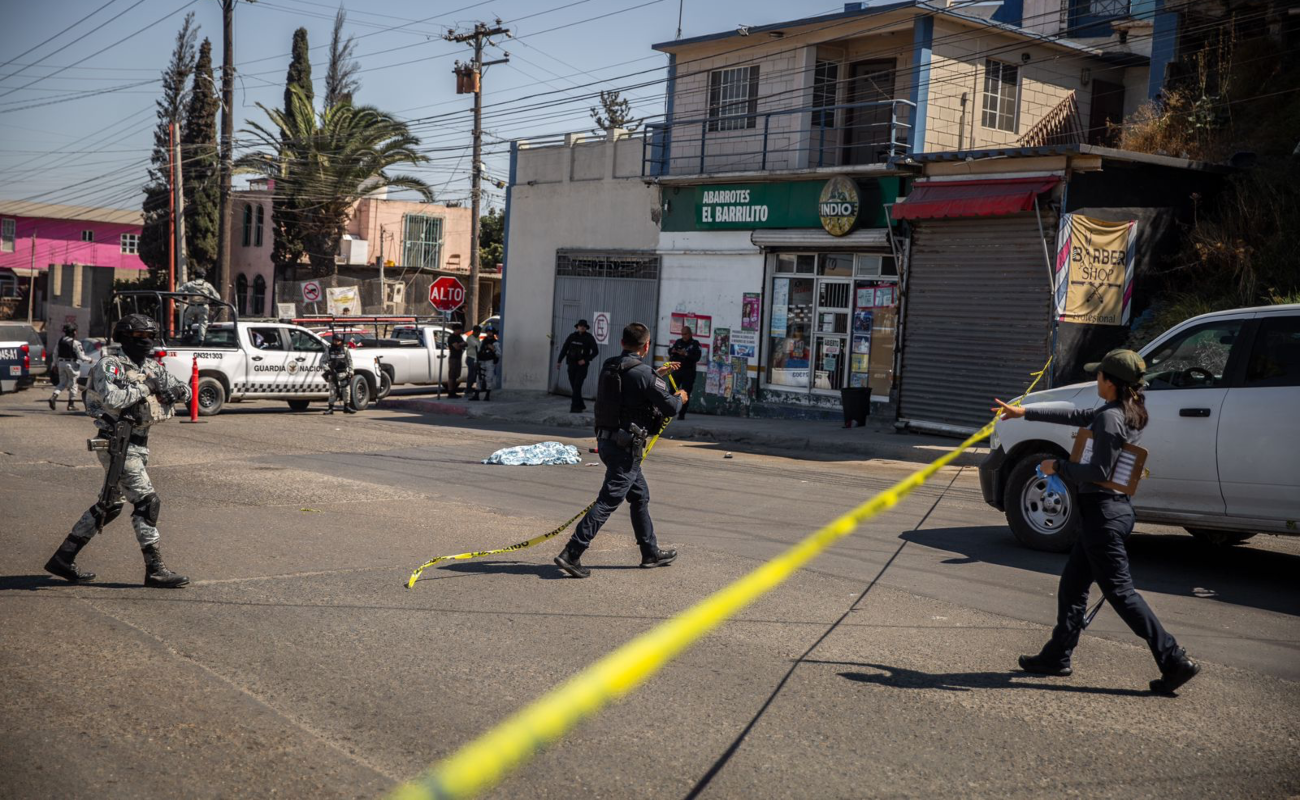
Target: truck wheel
1040	520
385	385
212	397
1219	538
361	393
299	405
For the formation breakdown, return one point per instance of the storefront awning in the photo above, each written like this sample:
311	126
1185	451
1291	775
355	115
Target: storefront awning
988	198
818	239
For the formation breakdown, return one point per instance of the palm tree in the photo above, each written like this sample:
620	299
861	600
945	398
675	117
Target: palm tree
324	164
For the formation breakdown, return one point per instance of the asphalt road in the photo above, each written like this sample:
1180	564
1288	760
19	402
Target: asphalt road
296	664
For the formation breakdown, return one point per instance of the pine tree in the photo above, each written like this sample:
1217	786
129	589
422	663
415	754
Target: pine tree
170	107
340	81
288	210
614	112
201	182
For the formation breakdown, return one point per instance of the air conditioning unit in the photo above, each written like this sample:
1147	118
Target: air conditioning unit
394	296
354	251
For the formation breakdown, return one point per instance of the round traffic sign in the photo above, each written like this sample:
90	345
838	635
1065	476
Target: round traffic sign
447	294
311	291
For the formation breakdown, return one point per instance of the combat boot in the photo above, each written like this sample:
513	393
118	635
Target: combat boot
63	562
654	557
1045	665
52	399
329	410
71	404
156	573
570	563
487	395
1178	671
349	410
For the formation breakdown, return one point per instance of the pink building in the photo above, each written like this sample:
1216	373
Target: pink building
404	234
44	235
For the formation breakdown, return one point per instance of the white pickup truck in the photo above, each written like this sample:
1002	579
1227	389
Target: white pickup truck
253	360
1223	438
419	356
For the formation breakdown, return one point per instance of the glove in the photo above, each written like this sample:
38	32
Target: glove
154	385
1054	482
170	396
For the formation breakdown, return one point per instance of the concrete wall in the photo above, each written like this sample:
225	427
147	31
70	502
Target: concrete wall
561	211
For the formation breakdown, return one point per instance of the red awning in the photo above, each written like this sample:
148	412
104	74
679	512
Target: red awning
938	199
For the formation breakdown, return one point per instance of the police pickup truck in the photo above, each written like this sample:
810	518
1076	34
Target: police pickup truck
241	359
22	356
1223	439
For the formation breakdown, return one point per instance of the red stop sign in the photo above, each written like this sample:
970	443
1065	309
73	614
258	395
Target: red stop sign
447	294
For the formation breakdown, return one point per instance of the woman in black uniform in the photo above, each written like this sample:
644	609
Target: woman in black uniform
1107	519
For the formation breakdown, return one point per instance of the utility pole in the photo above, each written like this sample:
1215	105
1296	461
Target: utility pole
31	281
469	79
179	267
227	134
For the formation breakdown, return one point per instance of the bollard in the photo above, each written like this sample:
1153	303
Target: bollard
194	392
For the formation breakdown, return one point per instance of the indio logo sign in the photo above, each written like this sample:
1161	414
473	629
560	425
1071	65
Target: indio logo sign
839	205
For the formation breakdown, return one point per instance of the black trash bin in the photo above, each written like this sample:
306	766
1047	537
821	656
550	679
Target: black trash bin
857	405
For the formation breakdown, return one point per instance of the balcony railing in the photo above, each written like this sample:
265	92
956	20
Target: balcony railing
796	138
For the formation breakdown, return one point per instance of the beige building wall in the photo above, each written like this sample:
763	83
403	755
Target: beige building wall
375	217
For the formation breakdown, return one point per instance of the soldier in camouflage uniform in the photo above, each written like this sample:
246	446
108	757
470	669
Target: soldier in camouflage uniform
195	319
135	383
338	374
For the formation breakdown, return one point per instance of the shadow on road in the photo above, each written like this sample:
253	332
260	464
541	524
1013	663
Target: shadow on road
900	678
1168	563
32	583
544	571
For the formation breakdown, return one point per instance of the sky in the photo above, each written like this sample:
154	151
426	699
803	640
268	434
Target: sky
77	112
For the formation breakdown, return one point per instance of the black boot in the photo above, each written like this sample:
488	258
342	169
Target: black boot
1178	671
1045	665
487	395
329	410
349	410
654	557
71	405
63	562
474	396
52	399
570	563
156	573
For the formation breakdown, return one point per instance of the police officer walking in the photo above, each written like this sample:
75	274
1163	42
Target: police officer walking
195	318
69	357
1099	555
685	351
126	385
577	351
338	374
632	404
486	364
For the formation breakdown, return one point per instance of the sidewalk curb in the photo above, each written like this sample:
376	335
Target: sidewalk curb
909	447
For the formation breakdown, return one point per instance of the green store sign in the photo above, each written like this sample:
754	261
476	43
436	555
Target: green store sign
793	204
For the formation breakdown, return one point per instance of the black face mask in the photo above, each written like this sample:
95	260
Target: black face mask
137	349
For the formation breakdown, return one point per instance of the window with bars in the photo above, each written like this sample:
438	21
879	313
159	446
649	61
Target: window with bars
826	79
8	231
607	265
733	98
1001	96
130	244
422	241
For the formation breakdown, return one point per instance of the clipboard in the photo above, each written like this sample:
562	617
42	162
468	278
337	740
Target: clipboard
1129	469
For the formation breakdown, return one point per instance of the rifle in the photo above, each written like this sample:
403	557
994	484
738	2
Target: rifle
116	445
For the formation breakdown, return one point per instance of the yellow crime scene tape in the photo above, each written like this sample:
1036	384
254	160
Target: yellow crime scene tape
415	576
482	763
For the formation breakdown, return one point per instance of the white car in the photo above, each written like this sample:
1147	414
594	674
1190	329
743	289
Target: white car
1223	436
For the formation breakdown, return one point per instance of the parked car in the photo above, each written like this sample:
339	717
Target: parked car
1223	436
16	335
415	355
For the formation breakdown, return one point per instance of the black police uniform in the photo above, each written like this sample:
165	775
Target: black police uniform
689	354
645	403
455	360
1099	554
579	346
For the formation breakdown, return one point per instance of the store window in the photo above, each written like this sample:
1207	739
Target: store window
832	320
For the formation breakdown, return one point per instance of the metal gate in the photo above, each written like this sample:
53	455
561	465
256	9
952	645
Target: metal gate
626	284
978	318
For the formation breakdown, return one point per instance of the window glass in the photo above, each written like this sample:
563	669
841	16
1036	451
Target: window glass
1001	95
248	225
785	263
8	227
826	78
1275	357
241	293
304	342
219	337
265	338
261	218
805	264
790	341
422	241
1194	359
733	98
130	243
835	265
87	236
259	296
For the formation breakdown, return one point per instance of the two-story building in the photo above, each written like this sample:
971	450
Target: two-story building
409	242
781	152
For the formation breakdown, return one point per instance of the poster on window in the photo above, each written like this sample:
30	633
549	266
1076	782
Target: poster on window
862	322
722	345
751	306
744	344
1094	270
343	301
780	306
865	296
862	344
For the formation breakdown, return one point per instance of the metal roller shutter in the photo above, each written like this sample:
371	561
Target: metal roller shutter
978	318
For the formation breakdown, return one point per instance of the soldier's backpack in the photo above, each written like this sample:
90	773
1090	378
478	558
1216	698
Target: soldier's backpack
609	393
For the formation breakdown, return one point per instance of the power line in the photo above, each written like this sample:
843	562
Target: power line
52	38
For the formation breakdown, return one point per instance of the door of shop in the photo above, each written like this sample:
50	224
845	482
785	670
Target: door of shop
624	284
978	317
866	129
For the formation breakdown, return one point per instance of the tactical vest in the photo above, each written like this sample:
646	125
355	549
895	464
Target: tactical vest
66	350
610	413
150	410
